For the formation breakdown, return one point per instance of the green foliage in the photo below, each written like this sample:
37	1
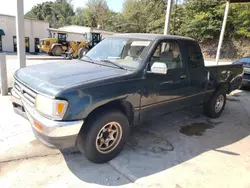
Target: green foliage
144	16
58	13
204	19
240	20
79	18
198	19
96	12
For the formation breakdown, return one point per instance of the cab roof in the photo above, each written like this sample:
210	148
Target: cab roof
151	36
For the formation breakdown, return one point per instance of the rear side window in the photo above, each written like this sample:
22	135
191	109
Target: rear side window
195	58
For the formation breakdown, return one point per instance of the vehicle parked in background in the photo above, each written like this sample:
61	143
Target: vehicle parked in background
58	45
125	80
245	61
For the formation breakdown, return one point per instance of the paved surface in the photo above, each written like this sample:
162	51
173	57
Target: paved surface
183	149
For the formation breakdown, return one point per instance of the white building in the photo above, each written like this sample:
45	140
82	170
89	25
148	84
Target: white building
34	30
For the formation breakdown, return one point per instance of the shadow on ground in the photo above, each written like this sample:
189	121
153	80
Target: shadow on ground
169	141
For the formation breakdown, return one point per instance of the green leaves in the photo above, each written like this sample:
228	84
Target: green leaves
58	13
204	19
198	19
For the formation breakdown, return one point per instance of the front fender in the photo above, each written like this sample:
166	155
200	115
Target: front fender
83	101
56	44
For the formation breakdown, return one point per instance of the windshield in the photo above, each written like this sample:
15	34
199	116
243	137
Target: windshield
62	36
123	51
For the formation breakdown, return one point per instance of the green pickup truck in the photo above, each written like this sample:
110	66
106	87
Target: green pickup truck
127	79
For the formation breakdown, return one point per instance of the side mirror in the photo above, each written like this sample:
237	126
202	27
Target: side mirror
159	68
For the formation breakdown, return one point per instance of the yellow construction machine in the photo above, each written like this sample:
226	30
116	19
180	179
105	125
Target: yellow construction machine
59	45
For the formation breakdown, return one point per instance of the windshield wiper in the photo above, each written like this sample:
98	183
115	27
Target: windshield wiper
90	59
108	61
87	57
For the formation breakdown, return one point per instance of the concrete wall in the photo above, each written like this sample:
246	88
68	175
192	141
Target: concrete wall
33	29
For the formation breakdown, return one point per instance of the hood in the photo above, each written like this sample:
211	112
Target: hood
51	78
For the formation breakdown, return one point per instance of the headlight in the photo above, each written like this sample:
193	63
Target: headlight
51	107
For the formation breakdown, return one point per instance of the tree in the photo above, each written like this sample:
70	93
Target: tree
134	16
144	16
79	18
198	19
63	9
96	12
240	20
203	19
114	22
57	13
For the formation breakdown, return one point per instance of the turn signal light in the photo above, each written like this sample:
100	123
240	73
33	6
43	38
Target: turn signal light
38	126
60	107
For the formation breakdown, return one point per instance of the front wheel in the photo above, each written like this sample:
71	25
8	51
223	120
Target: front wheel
82	52
104	136
57	51
215	106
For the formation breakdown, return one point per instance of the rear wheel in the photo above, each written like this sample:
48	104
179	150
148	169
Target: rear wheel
57	51
215	106
104	137
82	52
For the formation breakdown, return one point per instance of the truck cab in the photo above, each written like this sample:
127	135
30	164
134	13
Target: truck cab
92	39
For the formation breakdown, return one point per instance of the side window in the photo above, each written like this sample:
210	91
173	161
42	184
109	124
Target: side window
195	58
168	52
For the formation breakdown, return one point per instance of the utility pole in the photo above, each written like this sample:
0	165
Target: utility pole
168	16
20	34
222	31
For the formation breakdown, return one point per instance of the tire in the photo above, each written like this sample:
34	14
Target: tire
93	147
82	51
57	51
215	106
242	87
50	54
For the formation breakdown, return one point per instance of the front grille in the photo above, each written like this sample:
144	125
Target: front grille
25	93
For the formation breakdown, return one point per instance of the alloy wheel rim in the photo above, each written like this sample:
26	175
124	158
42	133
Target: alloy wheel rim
219	103
108	137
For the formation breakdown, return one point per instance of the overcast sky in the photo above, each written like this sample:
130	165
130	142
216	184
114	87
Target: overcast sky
9	6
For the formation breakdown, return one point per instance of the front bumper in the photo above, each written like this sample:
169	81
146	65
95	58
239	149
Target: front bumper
54	134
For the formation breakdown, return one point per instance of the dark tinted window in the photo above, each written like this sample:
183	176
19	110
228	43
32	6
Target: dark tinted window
62	36
195	58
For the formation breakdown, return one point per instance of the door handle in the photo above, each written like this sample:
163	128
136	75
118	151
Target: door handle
183	77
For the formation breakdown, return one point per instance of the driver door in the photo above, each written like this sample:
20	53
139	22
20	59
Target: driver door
165	93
